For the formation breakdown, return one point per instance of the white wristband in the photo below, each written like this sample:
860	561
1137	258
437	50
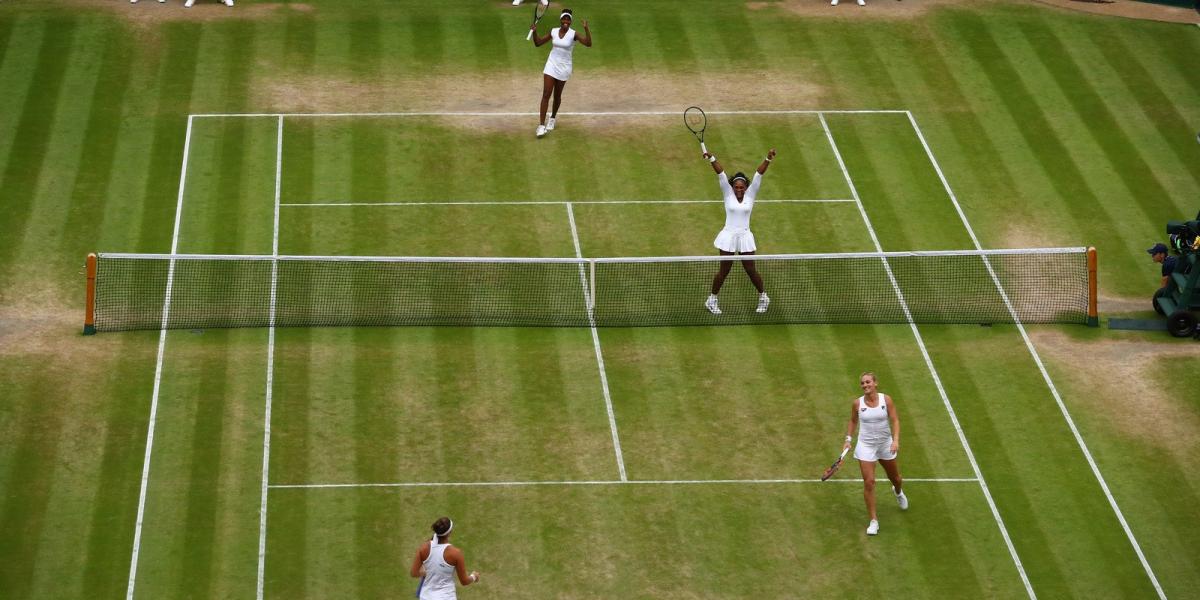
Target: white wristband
848	438
712	158
767	159
474	578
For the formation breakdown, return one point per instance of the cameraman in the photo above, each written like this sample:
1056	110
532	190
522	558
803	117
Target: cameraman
1159	253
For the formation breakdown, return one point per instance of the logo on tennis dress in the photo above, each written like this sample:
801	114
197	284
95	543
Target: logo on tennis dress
863	409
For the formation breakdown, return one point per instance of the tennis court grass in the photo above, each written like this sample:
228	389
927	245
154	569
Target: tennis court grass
1051	128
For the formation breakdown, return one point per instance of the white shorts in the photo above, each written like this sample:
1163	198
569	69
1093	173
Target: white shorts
739	241
874	452
558	70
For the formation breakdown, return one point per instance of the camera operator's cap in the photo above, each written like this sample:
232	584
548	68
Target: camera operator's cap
1158	248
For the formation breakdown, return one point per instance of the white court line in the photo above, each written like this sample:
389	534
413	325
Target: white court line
561	202
444	484
612	418
1037	359
645	113
929	363
266	461
158	369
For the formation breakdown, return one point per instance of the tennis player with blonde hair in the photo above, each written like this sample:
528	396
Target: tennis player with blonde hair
878	423
437	562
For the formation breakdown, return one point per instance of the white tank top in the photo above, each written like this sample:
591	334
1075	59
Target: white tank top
439	575
561	53
873	424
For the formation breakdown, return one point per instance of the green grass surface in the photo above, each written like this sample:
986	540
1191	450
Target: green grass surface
1053	128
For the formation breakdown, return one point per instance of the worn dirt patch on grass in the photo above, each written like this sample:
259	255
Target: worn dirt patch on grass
1129	9
152	12
1125	388
874	9
506	92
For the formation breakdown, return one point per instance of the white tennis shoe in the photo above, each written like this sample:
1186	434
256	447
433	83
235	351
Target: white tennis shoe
550	124
873	528
763	301
541	130
711	305
901	499
862	2
189	3
833	2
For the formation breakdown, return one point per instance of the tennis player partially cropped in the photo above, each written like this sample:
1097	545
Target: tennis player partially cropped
559	65
437	562
878	423
735	237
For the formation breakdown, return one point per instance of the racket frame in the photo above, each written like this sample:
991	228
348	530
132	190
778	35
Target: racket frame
703	126
537	18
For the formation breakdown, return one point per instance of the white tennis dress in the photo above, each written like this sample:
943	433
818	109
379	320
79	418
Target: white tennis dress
874	431
439	575
558	64
736	236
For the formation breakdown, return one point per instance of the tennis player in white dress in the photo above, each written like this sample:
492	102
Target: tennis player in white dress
735	237
436	564
558	64
878	441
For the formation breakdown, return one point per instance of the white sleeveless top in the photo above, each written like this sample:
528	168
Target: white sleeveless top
439	575
561	53
873	424
737	214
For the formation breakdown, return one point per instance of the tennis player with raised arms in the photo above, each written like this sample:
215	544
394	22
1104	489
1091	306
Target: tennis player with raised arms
878	423
735	237
436	564
558	65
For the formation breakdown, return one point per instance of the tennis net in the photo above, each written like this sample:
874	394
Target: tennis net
153	291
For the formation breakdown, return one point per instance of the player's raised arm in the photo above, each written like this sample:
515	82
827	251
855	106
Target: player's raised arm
586	38
716	165
766	161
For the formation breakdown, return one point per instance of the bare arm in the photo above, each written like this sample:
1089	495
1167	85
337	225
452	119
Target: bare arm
766	161
1165	279
894	417
418	565
716	164
455	557
538	40
853	424
586	40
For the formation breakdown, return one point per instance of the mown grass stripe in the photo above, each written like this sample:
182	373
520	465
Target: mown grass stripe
108	535
1105	128
1053	156
176	82
98	149
31	140
1162	110
32	470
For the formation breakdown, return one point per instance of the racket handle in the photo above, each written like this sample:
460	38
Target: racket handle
529	36
703	148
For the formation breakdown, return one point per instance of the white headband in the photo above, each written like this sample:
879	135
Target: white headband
437	535
567	15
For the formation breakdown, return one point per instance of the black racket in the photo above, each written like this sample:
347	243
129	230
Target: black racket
834	467
539	10
696	122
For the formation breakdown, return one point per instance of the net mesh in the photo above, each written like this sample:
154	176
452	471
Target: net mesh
1040	286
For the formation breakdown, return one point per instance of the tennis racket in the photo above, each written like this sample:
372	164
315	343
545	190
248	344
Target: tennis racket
696	122
834	467
539	11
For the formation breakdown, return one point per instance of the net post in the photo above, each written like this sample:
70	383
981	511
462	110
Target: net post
89	313
591	285
1093	314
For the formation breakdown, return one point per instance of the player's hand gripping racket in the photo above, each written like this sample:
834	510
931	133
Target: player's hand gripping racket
834	467
539	10
696	122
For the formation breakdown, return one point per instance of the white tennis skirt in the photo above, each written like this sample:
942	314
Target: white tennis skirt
558	70
874	452
739	241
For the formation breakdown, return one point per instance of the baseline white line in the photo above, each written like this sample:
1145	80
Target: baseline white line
437	484
560	202
929	363
1037	359
612	418
645	113
266	461
158	369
